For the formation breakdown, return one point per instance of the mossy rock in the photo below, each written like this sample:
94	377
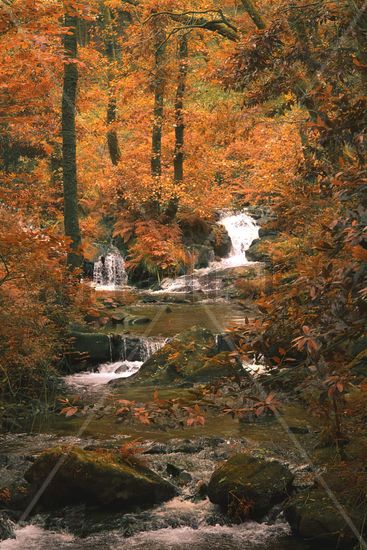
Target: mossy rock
188	358
323	515
96	478
220	366
246	486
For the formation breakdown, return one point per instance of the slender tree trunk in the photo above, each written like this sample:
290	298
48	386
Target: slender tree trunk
179	154
56	173
178	161
158	110
71	214
254	13
110	42
159	88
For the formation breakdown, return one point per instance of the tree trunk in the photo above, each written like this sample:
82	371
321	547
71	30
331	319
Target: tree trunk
158	110
71	215
178	161
179	154
254	13
159	87
110	44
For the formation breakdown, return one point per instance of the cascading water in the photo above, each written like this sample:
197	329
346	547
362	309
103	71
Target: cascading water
109	271
134	352
242	230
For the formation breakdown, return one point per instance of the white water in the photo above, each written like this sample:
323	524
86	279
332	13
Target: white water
118	369
242	230
109	271
246	536
104	374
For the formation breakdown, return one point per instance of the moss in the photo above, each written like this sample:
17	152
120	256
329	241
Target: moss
220	366
189	358
315	517
247	486
177	360
97	478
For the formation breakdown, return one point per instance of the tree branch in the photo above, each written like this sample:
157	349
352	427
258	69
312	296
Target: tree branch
194	20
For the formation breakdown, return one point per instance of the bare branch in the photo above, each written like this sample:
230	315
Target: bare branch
194	20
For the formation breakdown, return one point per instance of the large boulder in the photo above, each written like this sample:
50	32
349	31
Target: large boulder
188	358
203	255
246	486
96	478
92	348
222	242
325	517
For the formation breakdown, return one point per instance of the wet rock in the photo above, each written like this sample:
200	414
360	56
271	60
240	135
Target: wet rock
96	478
7	528
314	517
255	252
157	449
136	320
265	232
246	486
201	490
13	488
204	255
92	348
222	243
181	476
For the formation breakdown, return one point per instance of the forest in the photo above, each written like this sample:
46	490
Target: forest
183	274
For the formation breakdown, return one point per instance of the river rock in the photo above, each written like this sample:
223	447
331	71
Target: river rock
222	242
204	255
96	478
246	486
188	358
92	348
314	517
136	320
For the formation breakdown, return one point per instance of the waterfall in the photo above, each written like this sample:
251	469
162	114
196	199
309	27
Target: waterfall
134	351
109	271
110	346
242	230
134	348
150	347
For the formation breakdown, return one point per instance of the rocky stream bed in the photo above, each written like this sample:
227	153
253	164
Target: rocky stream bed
96	480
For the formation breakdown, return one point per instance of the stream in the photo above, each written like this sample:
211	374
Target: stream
187	521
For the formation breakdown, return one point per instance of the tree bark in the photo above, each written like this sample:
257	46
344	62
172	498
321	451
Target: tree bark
179	154
159	84
254	13
178	161
158	111
68	112
110	46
